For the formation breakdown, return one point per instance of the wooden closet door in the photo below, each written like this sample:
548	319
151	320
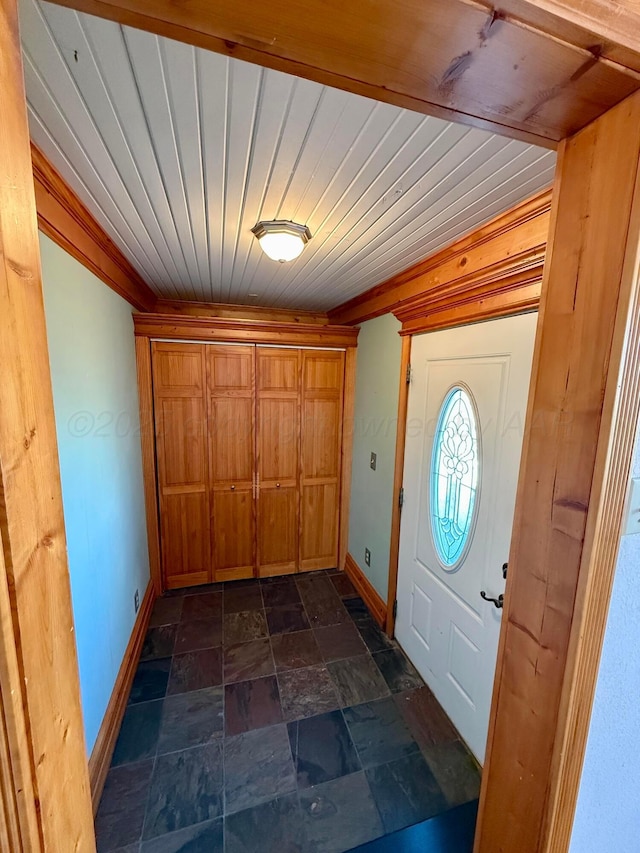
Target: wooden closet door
322	400
180	416
230	383
278	418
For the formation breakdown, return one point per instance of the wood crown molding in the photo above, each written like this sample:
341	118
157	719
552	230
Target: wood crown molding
377	607
102	752
66	220
239	312
243	331
506	253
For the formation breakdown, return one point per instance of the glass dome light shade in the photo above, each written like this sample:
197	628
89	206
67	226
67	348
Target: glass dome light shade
281	240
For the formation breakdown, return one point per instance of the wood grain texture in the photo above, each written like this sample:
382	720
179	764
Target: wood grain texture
563	550
243	331
66	220
458	60
348	421
238	312
102	752
502	258
377	607
34	562
398	471
149	470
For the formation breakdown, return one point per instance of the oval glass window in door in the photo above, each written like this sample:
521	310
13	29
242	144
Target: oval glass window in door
455	471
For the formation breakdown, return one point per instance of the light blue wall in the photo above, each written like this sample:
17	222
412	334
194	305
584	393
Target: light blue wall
93	369
608	813
375	427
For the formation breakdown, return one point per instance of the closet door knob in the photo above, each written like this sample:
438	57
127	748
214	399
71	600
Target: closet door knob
233	488
277	485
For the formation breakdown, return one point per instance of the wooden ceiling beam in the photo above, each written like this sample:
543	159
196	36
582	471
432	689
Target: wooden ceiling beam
454	59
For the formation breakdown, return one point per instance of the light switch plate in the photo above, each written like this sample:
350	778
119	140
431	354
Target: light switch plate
367	556
632	523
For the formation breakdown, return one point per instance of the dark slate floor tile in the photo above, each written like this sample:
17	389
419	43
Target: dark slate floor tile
251	705
242	582
166	611
138	736
278	594
276	579
287	618
257	768
343	585
358	680
379	733
322	749
406	792
159	642
207	606
244	661
340	641
199	634
274	827
307	692
294	651
398	671
195	670
357	609
191	719
203	589
207	837
121	812
244	626
322	602
374	637
150	680
427	722
340	814
241	598
186	788
130	848
455	770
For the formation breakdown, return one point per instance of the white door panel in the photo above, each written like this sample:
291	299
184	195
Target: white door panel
447	629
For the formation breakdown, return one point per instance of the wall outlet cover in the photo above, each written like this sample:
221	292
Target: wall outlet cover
136	600
373	461
367	556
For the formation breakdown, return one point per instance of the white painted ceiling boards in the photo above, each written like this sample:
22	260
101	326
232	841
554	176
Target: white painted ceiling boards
178	152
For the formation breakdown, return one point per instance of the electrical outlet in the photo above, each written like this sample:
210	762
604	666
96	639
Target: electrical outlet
136	600
367	556
373	461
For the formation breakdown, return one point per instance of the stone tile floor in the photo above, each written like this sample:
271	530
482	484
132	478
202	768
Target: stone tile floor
274	715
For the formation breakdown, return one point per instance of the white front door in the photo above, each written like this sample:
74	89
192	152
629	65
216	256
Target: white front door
467	406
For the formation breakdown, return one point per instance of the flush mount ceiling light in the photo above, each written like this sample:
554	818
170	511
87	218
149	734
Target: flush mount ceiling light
281	240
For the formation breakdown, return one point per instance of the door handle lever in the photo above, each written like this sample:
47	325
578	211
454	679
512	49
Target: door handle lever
497	602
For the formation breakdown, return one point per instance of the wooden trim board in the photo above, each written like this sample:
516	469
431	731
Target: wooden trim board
365	590
238	312
348	414
102	752
66	220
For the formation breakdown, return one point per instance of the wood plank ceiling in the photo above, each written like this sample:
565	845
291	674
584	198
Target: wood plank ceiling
179	151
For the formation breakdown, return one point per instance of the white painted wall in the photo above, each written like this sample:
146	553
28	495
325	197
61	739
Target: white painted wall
375	427
95	393
608	813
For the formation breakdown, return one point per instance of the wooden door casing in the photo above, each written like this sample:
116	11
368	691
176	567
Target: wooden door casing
278	465
320	458
231	431
180	416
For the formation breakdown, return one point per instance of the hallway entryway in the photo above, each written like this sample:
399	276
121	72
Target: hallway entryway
274	714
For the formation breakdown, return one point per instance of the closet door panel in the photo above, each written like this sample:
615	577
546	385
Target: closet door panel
180	412
322	401
230	388
278	418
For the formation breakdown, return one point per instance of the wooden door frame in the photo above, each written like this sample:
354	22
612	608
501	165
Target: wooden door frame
32	531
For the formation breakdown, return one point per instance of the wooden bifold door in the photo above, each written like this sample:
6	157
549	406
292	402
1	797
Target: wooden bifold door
248	446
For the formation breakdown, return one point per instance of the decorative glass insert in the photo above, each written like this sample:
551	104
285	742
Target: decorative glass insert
454	476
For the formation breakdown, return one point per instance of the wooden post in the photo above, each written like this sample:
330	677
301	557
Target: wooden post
583	411
34	574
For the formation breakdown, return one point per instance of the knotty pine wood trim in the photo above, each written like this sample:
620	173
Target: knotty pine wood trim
243	331
348	415
34	562
102	752
239	312
581	421
398	474
365	590
149	468
66	220
410	59
510	246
